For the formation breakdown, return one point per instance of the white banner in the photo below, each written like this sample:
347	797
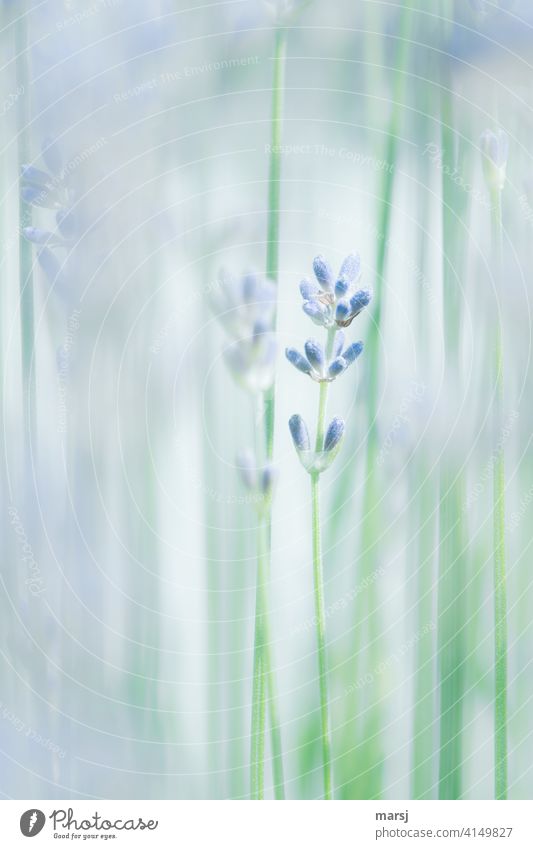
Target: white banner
258	825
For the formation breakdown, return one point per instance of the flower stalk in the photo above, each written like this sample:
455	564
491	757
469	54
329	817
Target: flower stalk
332	303
494	147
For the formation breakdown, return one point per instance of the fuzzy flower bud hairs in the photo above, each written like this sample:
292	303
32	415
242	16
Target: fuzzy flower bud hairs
332	301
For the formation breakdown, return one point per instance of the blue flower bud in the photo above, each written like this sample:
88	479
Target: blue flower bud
359	301
308	290
250	286
342	312
338	342
268	478
341	287
336	367
316	311
299	433
40	196
334	434
350	268
38	236
323	272
315	354
352	352
298	360
260	327
34	175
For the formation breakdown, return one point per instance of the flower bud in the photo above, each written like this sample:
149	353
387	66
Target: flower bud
334	434
299	433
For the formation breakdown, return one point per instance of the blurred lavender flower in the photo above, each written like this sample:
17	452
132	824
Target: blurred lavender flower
245	308
50	190
258	480
495	151
334	299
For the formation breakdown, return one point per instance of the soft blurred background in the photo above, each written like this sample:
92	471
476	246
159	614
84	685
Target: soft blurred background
128	570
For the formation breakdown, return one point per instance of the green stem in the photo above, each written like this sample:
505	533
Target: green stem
257	760
272	272
500	589
263	689
318	581
451	633
321	636
274	188
452	530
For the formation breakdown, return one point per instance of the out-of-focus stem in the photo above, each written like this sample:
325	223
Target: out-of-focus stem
318	580
452	543
274	193
272	272
500	581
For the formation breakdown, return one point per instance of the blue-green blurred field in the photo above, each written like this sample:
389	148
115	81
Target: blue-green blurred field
129	568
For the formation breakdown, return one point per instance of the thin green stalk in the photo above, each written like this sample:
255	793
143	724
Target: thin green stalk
320	614
422	776
263	689
500	588
451	637
452	531
318	582
274	190
257	759
268	413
